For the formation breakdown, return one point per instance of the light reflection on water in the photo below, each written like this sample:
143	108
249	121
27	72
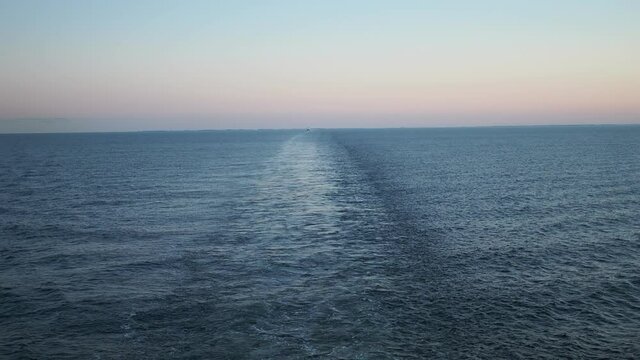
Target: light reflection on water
443	243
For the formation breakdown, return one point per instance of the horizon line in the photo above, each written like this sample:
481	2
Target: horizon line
322	128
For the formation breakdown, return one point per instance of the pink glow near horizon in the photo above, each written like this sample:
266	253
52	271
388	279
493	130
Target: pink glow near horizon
287	59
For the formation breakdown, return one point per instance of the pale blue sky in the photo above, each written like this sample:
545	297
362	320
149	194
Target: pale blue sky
120	65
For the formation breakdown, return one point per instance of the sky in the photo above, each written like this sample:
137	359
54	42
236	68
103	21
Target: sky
115	65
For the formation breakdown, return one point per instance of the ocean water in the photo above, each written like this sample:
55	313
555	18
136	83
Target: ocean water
510	243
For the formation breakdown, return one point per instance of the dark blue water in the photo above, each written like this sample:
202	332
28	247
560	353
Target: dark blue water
442	243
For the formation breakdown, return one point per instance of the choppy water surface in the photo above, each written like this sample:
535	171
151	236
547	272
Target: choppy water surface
452	243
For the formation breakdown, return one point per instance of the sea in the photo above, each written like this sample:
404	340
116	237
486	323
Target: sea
452	243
